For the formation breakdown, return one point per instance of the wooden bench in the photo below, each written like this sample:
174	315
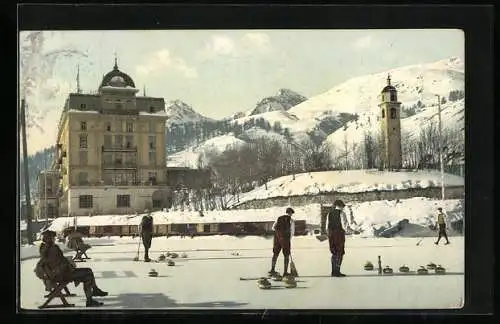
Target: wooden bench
55	288
57	292
75	243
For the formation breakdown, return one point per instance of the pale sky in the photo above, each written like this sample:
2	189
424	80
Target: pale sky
219	72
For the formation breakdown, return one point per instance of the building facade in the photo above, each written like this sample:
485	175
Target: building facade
47	204
390	128
111	150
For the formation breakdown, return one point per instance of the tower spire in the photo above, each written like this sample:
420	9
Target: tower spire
78	90
116	62
144	91
388	79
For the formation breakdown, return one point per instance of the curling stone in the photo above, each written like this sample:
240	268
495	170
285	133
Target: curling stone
161	257
170	263
290	282
264	283
168	254
174	255
153	273
277	277
368	266
440	270
431	266
422	271
387	270
404	269
184	255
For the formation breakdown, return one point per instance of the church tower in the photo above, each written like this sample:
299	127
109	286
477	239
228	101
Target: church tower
390	128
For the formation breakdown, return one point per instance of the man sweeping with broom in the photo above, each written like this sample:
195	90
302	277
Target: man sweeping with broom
284	229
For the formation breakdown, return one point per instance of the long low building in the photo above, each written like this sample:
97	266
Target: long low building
243	222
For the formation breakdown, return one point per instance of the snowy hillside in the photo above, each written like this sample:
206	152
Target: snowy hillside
349	182
190	157
452	114
284	100
179	112
359	95
255	133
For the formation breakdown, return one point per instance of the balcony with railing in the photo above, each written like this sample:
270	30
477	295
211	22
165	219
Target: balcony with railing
118	148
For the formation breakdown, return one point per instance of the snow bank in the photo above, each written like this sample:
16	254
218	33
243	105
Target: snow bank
351	181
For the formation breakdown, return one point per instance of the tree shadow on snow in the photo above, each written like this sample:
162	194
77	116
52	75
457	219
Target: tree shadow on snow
158	300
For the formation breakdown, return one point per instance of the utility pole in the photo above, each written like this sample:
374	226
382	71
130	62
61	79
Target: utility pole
440	147
26	175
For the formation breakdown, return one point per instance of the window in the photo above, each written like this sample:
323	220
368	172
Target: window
118	158
394	113
122	201
383	113
118	140
393	96
152	142
83	178
108	158
107	141
51	211
83	105
156	203
206	228
85	201
83	157
130	127
152	177
152	158
83	141
83	126
107	178
108	127
129	141
151	109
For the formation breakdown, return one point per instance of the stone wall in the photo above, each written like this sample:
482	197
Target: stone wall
456	192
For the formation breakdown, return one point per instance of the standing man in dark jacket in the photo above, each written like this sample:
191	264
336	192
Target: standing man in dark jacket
147	234
337	221
284	229
441	223
56	267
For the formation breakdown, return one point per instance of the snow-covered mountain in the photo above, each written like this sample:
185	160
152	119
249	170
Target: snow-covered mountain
359	95
179	112
195	154
284	100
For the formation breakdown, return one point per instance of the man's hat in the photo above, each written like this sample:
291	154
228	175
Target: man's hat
339	203
439	208
49	233
290	210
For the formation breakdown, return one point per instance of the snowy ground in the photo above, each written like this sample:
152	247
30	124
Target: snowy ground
209	277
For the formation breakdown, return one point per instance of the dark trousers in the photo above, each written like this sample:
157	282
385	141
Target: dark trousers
336	239
85	275
281	243
442	232
146	240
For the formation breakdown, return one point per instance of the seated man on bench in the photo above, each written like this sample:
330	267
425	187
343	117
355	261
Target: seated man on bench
60	270
75	243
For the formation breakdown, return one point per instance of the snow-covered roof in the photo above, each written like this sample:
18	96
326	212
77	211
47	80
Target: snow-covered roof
159	113
176	217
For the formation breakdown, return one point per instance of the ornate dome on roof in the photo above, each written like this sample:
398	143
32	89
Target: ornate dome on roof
388	87
117	78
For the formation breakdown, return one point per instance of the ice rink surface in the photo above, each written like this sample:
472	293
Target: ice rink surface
209	278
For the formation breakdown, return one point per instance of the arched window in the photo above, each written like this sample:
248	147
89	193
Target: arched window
393	96
394	113
383	113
